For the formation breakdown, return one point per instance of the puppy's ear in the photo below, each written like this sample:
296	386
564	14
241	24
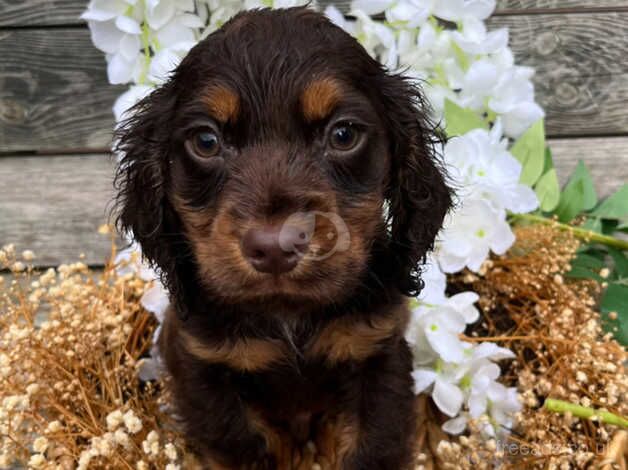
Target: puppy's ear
141	180
417	193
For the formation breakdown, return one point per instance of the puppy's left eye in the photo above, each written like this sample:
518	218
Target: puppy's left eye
344	136
203	144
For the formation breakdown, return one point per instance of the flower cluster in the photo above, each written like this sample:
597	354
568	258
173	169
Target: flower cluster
465	66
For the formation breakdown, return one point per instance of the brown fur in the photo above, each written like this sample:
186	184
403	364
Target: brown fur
348	339
246	355
262	363
222	102
319	98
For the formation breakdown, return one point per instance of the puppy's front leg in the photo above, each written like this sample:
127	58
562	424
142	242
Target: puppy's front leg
219	426
375	429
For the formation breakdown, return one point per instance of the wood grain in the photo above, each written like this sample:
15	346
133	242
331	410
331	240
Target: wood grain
605	157
54	206
54	92
517	7
581	72
67	12
40	12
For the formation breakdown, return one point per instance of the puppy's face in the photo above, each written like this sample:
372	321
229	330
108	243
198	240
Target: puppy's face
271	153
280	184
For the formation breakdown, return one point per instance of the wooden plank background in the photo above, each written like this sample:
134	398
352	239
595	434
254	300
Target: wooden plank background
55	101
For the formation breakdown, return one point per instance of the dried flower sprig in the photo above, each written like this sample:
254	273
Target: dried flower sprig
70	344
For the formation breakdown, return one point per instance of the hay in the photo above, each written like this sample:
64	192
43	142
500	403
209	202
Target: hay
71	341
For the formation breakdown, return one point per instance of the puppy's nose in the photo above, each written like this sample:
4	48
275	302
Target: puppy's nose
264	248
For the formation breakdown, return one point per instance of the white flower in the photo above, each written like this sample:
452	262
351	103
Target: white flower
474	39
513	99
155	300
104	10
433	330
377	38
470	233
455	10
447	396
481	166
166	60
435	283
409	13
128	99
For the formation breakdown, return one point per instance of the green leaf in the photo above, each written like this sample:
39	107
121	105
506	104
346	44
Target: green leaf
578	195
548	191
587	266
615	206
593	224
547	188
461	56
615	300
588	260
571	202
580	272
529	149
461	120
620	261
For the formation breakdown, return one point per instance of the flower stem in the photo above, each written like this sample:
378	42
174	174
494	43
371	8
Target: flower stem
560	406
583	234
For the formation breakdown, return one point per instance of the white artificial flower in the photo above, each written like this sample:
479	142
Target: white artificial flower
447	396
129	261
377	38
155	300
128	99
336	17
481	166
434	330
408	13
474	39
435	280
470	233
513	99
166	60
456	10
104	10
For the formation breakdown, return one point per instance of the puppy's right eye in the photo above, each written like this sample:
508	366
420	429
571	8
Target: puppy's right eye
203	144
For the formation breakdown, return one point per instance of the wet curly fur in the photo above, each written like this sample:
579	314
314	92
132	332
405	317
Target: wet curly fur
262	364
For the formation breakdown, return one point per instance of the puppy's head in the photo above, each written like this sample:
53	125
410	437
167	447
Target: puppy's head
279	163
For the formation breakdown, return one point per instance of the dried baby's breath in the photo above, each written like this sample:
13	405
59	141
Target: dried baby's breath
69	393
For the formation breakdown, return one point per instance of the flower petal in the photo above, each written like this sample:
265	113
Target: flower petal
447	397
423	378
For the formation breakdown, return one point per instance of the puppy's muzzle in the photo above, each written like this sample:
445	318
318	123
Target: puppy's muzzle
274	249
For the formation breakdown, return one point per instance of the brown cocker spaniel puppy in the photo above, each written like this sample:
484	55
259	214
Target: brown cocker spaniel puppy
285	185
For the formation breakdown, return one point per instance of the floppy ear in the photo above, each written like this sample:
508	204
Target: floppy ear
418	195
141	205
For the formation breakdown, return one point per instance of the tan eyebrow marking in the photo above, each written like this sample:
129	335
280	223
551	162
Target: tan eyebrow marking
223	103
319	98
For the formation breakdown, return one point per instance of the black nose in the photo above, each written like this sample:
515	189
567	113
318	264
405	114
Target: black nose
274	249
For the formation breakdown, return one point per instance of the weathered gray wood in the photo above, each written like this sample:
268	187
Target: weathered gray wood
54	92
40	12
54	205
581	71
558	4
605	157
509	7
67	12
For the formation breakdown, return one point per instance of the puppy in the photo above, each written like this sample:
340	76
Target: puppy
285	186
